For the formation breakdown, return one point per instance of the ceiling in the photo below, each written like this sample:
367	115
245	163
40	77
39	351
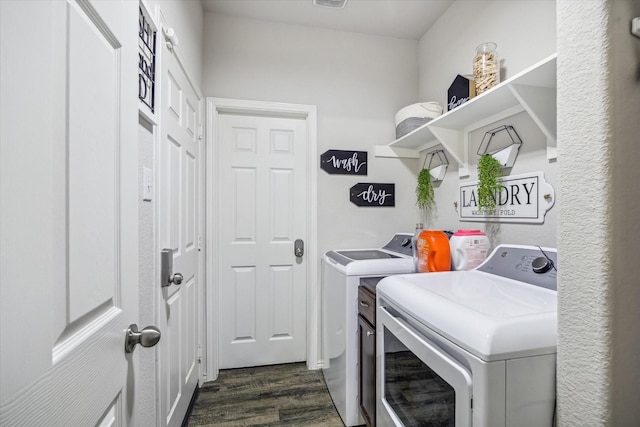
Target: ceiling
407	19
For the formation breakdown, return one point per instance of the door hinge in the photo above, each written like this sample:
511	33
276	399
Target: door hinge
199	354
200	243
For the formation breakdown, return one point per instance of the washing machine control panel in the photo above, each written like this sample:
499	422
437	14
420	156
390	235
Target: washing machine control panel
530	264
400	243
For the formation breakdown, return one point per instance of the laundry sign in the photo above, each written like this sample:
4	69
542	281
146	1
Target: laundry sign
344	162
522	199
372	194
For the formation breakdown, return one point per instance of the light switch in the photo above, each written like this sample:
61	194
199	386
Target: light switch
147	184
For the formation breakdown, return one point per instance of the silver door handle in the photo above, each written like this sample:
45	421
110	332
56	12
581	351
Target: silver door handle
167	277
176	278
147	337
298	248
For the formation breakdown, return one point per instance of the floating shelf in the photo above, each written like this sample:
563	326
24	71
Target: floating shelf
532	90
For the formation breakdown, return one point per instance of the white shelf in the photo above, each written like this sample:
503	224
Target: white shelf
532	90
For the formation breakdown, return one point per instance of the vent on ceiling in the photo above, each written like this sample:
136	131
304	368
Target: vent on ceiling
330	3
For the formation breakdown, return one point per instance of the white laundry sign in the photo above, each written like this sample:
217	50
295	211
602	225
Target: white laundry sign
522	198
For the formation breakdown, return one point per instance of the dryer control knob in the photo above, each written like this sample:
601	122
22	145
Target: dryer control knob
406	242
541	265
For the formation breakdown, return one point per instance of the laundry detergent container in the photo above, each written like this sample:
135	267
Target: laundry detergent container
434	253
413	116
469	248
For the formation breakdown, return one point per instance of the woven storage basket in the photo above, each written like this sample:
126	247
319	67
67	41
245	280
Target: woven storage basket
413	116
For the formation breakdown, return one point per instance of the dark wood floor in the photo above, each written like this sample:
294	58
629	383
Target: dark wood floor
280	395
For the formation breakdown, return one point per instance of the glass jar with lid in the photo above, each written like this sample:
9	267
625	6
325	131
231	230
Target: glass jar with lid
486	67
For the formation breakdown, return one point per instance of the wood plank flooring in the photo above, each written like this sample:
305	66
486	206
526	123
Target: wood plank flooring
279	395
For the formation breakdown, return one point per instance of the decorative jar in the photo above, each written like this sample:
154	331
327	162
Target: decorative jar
486	67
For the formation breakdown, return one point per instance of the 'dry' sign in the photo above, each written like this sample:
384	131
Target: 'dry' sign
369	194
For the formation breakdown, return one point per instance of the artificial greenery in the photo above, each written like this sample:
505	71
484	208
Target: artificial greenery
424	190
489	174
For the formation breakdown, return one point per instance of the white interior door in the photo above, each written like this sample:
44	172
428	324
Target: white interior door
262	210
69	222
179	231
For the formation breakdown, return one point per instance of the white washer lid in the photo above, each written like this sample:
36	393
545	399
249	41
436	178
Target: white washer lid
368	267
490	316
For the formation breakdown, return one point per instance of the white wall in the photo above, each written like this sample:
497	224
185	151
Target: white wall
598	128
525	32
358	82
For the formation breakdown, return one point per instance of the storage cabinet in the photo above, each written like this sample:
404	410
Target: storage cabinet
367	358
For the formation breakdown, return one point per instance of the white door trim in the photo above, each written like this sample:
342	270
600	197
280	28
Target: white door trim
214	107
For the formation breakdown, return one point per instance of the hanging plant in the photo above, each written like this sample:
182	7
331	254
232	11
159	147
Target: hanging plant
489	174
424	190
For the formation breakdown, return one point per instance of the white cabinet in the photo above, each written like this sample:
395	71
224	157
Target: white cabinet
532	90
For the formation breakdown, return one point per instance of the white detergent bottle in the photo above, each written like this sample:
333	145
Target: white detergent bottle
414	246
468	249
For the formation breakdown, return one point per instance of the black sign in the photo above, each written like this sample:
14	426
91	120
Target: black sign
370	194
146	62
344	162
461	90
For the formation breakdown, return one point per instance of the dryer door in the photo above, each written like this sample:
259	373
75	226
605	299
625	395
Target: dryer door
418	384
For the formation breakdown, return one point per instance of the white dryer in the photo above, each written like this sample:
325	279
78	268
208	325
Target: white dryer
470	348
341	274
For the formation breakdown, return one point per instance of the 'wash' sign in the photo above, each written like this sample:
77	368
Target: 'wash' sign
522	198
344	162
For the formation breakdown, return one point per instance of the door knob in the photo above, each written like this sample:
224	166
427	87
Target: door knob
147	337
176	279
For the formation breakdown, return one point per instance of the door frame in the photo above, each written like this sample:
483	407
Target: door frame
215	107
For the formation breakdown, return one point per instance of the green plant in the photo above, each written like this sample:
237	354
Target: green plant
424	190
489	174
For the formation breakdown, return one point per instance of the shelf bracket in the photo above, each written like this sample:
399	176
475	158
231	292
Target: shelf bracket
540	104
453	140
395	152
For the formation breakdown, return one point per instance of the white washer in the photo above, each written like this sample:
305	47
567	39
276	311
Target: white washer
341	274
470	348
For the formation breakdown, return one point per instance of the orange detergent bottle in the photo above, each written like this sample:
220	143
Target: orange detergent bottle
433	251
